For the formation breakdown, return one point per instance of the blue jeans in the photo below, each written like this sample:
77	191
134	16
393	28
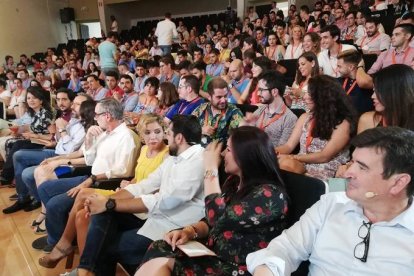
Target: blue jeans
112	237
23	159
58	204
166	49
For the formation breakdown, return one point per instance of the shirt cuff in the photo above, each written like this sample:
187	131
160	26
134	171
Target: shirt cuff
149	201
258	258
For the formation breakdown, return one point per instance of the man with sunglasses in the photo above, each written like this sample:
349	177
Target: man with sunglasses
367	230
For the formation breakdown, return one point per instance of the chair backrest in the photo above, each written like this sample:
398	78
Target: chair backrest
303	191
369	60
290	65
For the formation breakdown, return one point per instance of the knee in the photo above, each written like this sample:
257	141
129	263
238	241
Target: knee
27	175
84	193
292	165
18	156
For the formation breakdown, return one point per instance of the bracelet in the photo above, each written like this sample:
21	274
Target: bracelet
195	232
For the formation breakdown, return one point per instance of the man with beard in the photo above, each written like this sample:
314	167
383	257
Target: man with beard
374	42
130	99
172	196
198	69
217	117
273	116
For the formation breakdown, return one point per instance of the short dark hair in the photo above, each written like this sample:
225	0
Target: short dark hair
193	82
407	28
215	83
95	77
333	31
350	56
199	65
126	76
280	23
67	91
198	49
397	146
408	15
372	20
3	83
140	64
188	126
260	28
112	34
113	74
167	15
185	64
305	8
182	53
154	81
273	80
152	64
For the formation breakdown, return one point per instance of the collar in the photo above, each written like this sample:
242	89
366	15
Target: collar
119	128
405	219
188	153
279	109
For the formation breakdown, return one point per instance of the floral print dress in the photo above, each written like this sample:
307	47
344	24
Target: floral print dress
237	228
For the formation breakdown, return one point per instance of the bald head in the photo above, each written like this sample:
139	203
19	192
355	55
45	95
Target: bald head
236	69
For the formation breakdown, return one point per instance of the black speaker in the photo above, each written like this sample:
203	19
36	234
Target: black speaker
67	15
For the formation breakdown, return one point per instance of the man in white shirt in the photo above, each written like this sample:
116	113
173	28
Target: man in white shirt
165	32
327	58
366	231
172	196
110	148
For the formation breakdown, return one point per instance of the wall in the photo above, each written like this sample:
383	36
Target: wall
85	10
29	26
133	11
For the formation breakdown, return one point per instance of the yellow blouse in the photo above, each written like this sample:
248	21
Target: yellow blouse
146	165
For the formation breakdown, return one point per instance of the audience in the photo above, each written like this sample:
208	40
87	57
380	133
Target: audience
250	200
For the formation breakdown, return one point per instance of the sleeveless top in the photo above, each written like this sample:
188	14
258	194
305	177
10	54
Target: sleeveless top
322	170
146	165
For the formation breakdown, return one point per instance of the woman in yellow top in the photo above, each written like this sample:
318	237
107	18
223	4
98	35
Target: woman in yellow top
151	129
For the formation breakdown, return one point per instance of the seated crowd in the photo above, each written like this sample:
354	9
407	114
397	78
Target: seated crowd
159	124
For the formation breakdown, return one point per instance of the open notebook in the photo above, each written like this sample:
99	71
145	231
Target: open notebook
195	249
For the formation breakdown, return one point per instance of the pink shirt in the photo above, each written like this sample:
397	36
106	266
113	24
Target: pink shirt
390	57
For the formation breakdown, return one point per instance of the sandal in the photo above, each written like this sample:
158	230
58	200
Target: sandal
41	228
36	222
48	262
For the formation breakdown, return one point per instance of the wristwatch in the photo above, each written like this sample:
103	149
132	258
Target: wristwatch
61	130
110	205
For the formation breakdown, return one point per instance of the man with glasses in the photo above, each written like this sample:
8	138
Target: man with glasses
188	91
352	32
367	230
273	116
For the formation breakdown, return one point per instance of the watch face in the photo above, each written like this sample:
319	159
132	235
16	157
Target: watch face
110	204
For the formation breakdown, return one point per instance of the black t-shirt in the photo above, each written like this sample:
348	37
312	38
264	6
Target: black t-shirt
360	98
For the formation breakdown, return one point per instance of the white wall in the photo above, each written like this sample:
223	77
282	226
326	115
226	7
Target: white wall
29	26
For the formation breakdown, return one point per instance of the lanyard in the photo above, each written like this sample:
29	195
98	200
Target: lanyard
350	88
218	119
262	125
405	55
309	137
182	108
335	70
371	40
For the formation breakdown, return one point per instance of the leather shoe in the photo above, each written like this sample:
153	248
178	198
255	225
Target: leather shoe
34	204
17	206
40	243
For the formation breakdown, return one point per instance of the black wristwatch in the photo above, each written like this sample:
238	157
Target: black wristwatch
93	178
110	205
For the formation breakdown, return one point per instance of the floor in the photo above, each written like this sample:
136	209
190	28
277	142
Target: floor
17	257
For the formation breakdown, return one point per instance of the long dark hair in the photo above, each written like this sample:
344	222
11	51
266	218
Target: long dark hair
87	113
394	89
256	158
41	94
309	56
331	106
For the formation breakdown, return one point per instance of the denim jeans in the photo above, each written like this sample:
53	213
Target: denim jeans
23	159
112	237
58	204
166	49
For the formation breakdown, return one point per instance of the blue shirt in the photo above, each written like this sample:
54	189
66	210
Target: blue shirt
107	51
175	79
240	86
183	107
130	101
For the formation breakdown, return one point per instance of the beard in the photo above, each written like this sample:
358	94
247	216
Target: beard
173	150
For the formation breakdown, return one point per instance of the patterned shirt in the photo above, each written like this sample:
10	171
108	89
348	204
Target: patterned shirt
41	121
222	122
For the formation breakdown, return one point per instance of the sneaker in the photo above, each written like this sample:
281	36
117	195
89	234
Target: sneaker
14	197
40	243
17	206
34	204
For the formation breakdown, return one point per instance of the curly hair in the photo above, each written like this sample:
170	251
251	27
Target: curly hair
331	106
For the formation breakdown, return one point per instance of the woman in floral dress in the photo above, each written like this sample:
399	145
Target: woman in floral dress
244	215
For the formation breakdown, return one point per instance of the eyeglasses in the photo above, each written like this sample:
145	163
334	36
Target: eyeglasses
99	114
361	249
